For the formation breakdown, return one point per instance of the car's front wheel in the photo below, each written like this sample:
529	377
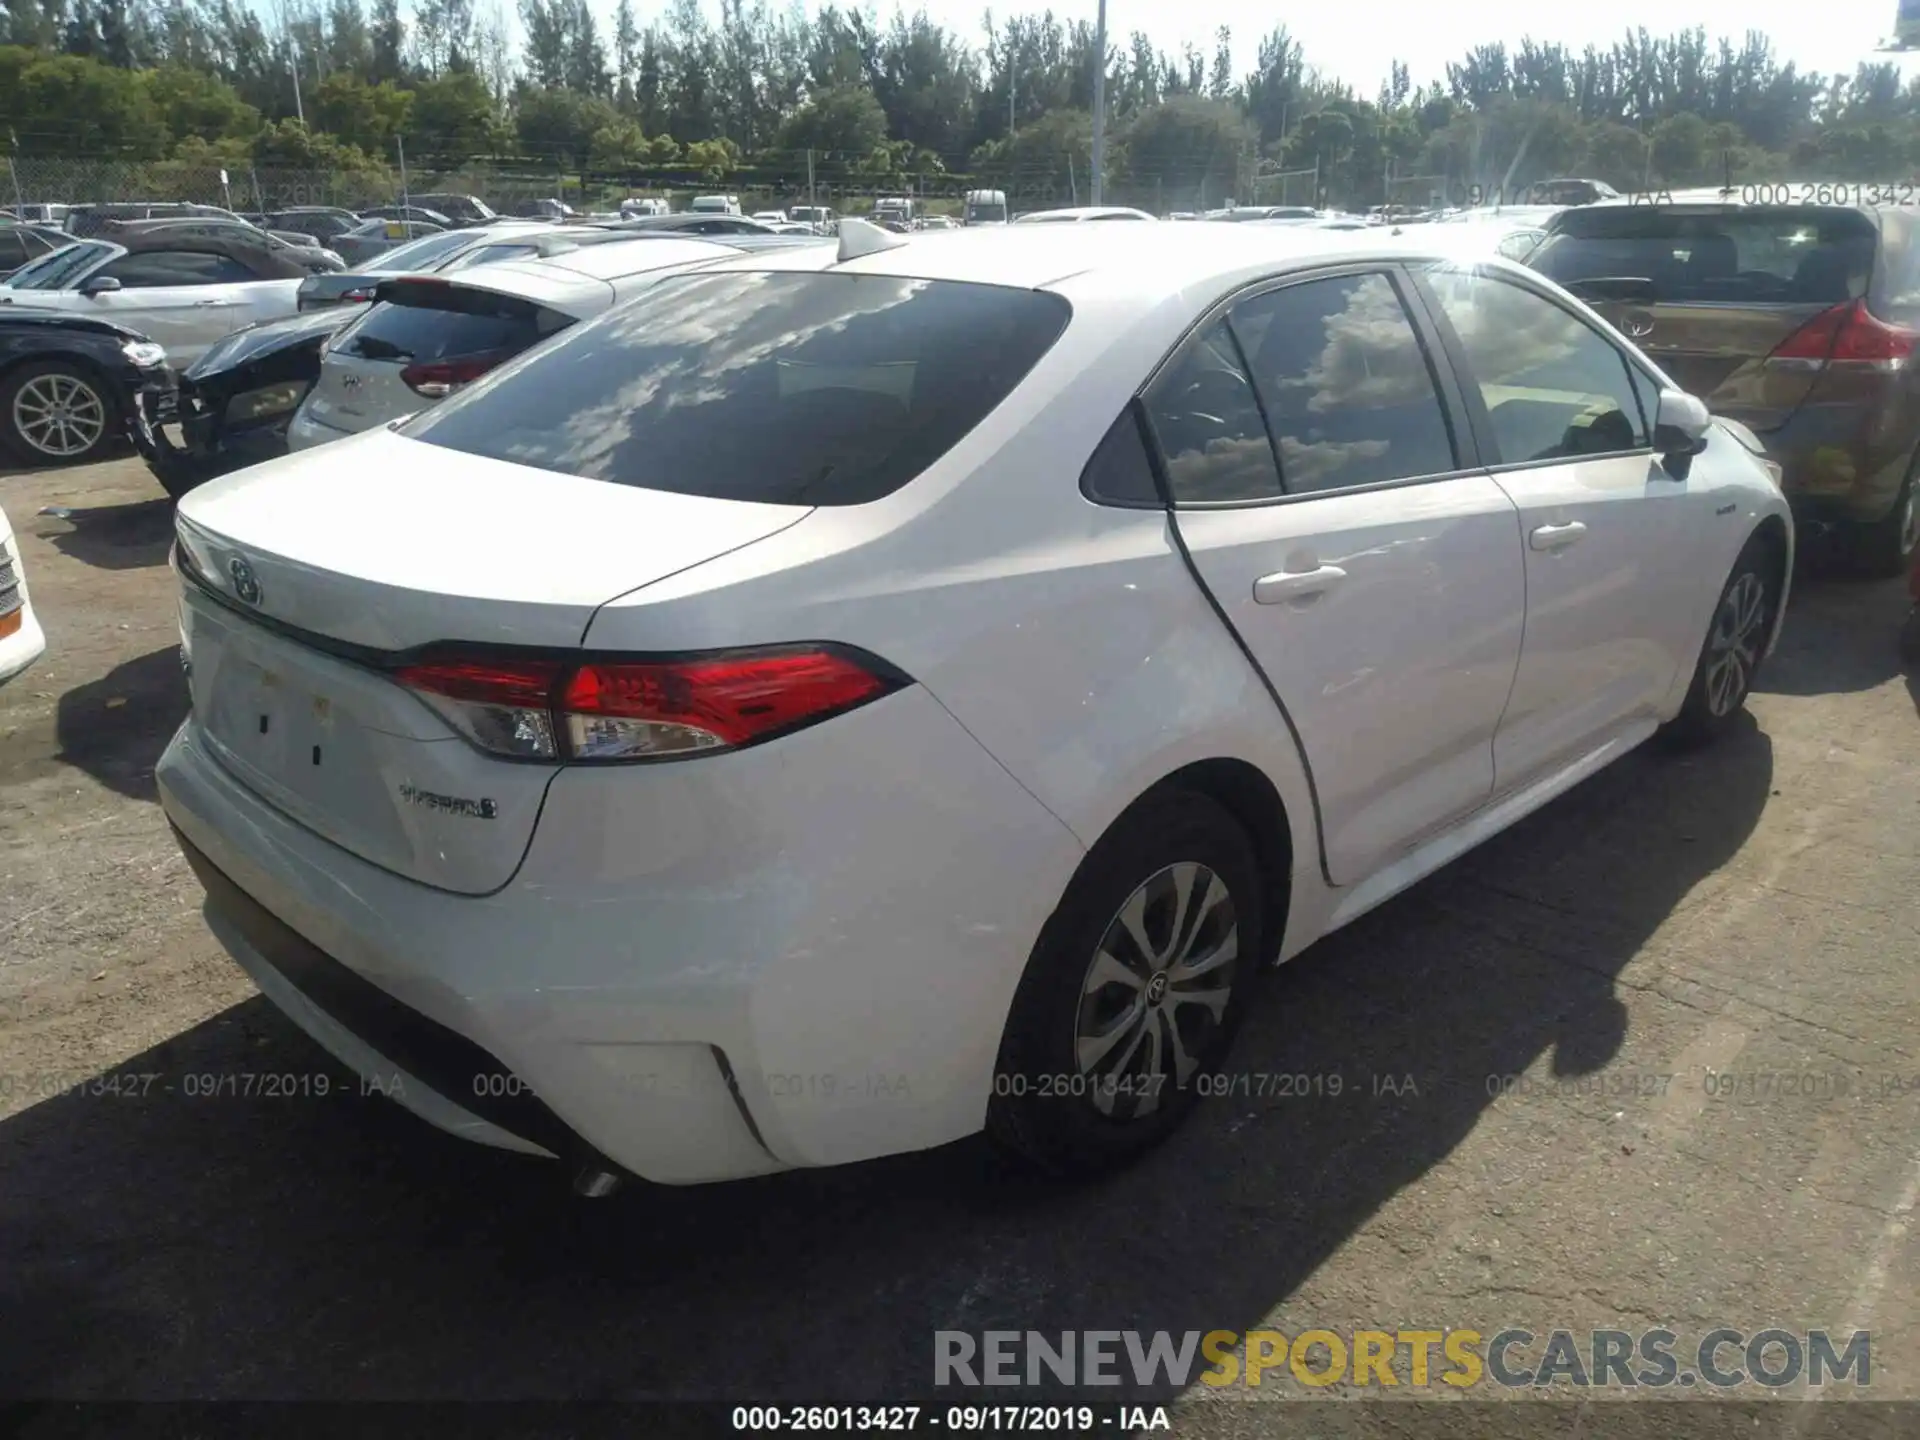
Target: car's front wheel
1730	655
1133	991
56	413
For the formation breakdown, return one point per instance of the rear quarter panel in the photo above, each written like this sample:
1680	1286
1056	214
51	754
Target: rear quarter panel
1066	637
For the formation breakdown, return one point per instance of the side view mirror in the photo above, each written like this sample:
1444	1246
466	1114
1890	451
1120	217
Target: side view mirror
1680	430
100	285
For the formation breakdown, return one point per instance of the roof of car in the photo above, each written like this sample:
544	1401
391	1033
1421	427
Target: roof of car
264	260
1079	212
1156	260
558	280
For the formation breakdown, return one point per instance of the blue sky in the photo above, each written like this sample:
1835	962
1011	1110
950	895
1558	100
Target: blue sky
1356	42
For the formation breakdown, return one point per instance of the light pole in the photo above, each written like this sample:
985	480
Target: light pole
1100	103
293	64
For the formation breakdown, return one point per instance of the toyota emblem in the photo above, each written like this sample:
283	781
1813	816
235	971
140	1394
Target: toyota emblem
246	584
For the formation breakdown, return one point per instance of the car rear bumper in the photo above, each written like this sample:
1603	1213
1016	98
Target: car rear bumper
1843	464
304	432
807	960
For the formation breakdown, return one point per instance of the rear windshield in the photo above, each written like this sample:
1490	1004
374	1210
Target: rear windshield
795	389
449	324
1784	255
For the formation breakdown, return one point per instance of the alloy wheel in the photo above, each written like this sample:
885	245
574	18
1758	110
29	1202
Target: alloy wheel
59	416
1733	646
1156	990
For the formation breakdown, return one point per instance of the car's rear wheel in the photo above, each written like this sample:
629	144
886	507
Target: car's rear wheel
1133	991
1730	655
1885	547
1910	637
56	413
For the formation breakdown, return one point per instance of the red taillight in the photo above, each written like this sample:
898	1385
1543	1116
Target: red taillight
1848	334
440	378
620	710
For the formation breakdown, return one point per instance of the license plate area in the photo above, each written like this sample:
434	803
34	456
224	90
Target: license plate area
353	757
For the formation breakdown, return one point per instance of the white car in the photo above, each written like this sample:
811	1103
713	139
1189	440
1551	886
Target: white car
432	335
183	292
21	640
771	217
844	700
1080	214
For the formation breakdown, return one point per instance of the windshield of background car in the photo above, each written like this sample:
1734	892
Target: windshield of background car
61	269
417	254
795	389
1782	255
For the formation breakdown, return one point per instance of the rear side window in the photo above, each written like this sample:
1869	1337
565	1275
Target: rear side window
1772	255
1121	470
417	254
1207	418
1348	392
795	389
449	325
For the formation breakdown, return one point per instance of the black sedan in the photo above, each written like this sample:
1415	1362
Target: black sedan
70	384
232	405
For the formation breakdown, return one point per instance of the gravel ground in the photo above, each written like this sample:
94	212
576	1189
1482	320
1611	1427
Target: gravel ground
1744	914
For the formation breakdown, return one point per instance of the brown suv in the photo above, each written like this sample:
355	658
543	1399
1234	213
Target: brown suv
1802	320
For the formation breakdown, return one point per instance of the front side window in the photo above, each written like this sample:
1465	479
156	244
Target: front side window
1554	388
780	388
61	270
1348	392
1207	420
151	269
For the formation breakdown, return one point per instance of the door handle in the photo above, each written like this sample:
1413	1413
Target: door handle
1556	537
198	303
1285	585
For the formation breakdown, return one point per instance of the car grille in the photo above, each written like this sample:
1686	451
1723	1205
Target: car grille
11	596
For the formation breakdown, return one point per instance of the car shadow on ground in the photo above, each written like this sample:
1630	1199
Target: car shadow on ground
186	1238
114	728
132	536
1842	635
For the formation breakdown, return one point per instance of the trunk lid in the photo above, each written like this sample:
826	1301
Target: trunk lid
426	329
1731	283
327	564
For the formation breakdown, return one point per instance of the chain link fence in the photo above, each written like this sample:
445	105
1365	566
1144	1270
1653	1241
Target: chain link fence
776	180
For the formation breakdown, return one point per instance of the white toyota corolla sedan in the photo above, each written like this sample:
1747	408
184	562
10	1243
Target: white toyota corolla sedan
841	702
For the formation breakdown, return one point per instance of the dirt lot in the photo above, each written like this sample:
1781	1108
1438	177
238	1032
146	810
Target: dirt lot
1747	914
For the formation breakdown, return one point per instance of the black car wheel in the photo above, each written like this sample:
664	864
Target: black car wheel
1134	990
56	413
1729	657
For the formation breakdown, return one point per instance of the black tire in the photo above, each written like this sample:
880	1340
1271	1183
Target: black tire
1910	637
27	450
1045	1109
1730	655
1885	547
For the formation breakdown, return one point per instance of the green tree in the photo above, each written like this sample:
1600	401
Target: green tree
1187	142
362	115
842	120
561	124
194	103
453	116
